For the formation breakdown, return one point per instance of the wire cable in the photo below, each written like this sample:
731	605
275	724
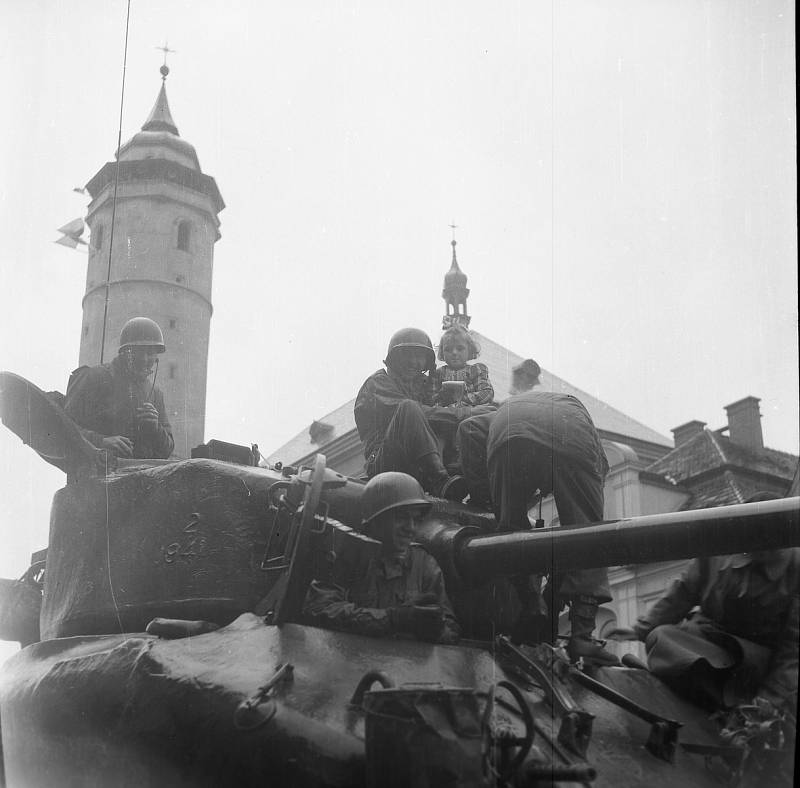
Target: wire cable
116	182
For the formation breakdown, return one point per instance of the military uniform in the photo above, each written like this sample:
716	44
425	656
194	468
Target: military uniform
744	639
363	605
102	400
546	441
398	422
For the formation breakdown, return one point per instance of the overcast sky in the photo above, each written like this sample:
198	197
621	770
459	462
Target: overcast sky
622	175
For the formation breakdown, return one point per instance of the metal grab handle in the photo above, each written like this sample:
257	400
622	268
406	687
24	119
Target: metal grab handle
367	680
525	743
260	707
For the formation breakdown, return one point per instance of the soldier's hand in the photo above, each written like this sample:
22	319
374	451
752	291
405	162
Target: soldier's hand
119	444
428	621
423	621
147	417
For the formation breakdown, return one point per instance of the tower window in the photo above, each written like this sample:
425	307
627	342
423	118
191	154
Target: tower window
86	331
173	323
184	235
180	279
97	236
173	369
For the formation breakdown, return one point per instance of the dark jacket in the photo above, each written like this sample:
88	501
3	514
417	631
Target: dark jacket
102	401
559	422
379	398
363	606
756	606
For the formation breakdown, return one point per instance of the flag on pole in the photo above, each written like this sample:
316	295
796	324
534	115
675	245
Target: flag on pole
71	234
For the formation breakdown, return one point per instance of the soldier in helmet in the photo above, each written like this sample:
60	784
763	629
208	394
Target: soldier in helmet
398	423
116	406
402	590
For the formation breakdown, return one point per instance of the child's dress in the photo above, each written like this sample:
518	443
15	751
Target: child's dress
478	391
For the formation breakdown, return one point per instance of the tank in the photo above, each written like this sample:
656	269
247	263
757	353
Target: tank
172	648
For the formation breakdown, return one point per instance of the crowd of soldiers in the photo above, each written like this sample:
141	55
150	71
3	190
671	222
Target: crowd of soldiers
725	633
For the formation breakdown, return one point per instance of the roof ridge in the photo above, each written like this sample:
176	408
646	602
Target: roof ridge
581	393
730	479
716	444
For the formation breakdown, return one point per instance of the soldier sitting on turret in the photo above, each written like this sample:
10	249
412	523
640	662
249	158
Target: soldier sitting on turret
115	406
742	644
402	590
398	422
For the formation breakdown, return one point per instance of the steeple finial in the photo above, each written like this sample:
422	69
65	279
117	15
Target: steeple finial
165	68
160	118
455	291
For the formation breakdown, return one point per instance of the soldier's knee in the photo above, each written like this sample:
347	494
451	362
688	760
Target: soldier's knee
409	408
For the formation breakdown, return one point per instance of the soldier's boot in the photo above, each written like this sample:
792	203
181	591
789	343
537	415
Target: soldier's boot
582	615
437	481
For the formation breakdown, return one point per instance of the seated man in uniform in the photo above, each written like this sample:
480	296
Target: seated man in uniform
543	442
115	405
398	422
742	643
401	591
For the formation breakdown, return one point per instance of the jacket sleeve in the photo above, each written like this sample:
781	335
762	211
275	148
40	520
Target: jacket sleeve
482	390
163	443
84	399
327	605
780	684
675	605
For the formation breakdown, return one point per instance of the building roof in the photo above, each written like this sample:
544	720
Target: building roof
500	362
717	472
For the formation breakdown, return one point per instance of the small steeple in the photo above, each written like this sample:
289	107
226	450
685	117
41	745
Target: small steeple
160	118
455	293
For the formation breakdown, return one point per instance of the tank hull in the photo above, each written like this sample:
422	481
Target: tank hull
135	710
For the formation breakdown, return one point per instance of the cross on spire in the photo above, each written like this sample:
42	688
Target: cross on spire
165	68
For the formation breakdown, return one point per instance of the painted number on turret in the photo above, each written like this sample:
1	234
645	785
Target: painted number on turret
191	545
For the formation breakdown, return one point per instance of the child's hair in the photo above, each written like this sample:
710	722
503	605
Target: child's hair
457	331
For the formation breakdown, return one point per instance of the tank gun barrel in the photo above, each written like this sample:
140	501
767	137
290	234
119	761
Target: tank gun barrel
634	540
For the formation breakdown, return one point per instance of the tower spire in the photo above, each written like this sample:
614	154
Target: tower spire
455	292
160	118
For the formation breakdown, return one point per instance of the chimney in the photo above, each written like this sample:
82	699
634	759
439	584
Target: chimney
686	432
744	423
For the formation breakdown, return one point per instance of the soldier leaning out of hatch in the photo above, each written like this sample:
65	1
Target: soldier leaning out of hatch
398	422
116	406
741	645
401	591
543	442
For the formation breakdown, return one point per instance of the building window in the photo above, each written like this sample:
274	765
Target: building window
86	331
184	236
179	279
97	236
173	369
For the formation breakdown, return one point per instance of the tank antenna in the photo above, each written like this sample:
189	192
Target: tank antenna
116	181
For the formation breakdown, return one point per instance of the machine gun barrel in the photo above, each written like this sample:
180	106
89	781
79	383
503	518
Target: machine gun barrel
634	540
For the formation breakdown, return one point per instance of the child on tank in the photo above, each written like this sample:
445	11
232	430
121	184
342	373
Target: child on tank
456	348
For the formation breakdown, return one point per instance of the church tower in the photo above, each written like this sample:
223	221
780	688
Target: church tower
154	222
455	294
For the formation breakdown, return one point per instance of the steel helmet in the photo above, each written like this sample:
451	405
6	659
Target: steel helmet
411	337
390	490
141	332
